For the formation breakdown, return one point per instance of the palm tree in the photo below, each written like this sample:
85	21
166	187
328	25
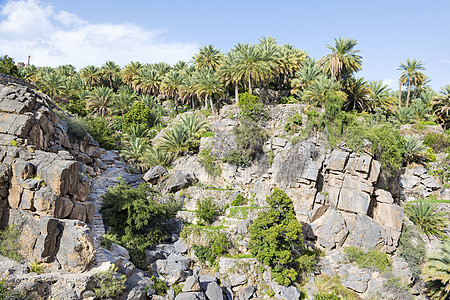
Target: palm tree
31	74
251	63
135	150
147	80
123	102
194	124
181	65
411	75
66	70
229	73
290	61
319	90
208	57
91	75
414	150
129	72
155	156
380	95
207	84
441	105
305	75
51	83
437	272
100	98
343	61
175	139
110	71
171	85
358	95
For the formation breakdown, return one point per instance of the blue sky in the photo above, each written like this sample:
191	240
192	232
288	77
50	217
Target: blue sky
86	32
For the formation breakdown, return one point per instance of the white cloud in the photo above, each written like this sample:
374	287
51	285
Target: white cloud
391	83
54	38
445	61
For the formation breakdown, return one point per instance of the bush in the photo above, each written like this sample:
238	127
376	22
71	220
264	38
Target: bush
209	161
141	114
240	200
217	246
159	286
251	107
437	141
136	218
414	150
37	268
109	284
100	129
77	128
423	215
412	249
77	107
276	239
207	211
293	123
9	243
238	158
437	273
203	253
369	259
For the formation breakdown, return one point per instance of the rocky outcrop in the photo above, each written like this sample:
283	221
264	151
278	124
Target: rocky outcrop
44	185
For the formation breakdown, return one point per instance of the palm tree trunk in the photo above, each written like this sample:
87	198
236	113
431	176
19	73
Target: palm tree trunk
176	102
212	105
399	95
236	92
407	96
250	84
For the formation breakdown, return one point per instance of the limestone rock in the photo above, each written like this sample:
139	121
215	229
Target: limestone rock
154	174
178	181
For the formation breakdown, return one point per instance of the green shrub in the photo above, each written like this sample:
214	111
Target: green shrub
412	248
293	122
437	272
209	161
208	134
77	128
109	284
141	114
9	243
7	291
218	244
207	211
100	129
437	141
240	200
14	143
238	158
249	140
136	218
37	268
276	239
251	107
159	286
326	297
370	259
77	107
423	215
177	289
414	150
203	253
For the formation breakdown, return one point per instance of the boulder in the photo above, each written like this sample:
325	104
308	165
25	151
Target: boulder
180	246
248	292
330	229
389	215
191	284
177	181
213	291
366	234
119	250
154	174
337	160
243	226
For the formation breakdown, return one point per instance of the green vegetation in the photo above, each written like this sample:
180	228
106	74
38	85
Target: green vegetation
159	286
207	211
136	218
252	108
7	291
240	200
326	297
109	283
437	274
412	248
37	268
210	163
9	243
293	123
276	240
437	141
327	286
7	66
370	259
424	216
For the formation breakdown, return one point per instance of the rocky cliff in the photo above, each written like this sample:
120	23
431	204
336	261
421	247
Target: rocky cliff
44	188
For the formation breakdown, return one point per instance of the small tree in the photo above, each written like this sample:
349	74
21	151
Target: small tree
276	239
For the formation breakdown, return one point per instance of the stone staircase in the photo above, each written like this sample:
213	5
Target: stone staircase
116	172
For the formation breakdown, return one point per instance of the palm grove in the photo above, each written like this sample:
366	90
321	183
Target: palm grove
125	108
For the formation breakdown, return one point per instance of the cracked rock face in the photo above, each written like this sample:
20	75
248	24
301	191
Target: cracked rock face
42	189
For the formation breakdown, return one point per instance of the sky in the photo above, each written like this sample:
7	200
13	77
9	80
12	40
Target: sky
91	32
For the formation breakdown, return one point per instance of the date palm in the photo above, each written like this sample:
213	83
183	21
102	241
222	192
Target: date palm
129	72
229	73
135	151
380	95
171	84
147	80
305	76
358	95
110	72
441	105
208	57
411	76
51	83
318	91
206	83
31	74
91	75
437	272
344	59
100	98
290	61
123	101
251	63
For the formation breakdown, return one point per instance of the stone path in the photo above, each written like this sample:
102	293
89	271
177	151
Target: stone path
115	172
